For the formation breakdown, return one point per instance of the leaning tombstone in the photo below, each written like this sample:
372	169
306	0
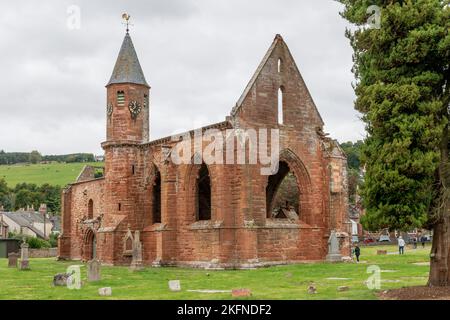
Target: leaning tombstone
24	263
93	270
174	285
12	259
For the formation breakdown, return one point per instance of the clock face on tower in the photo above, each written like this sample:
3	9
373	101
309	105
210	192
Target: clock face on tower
135	109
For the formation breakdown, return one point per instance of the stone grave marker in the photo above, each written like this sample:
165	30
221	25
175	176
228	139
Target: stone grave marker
312	289
60	279
106	291
334	254
24	262
93	270
174	285
241	293
12	259
343	288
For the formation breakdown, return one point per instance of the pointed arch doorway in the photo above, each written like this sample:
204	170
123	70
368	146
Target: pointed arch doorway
89	245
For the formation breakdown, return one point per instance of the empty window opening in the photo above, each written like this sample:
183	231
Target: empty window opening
203	194
90	209
133	169
280	105
283	194
156	198
120	98
280	65
145	101
120	206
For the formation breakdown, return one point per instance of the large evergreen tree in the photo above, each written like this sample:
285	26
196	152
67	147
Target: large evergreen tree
402	88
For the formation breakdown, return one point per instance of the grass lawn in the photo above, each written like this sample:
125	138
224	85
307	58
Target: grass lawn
280	282
53	173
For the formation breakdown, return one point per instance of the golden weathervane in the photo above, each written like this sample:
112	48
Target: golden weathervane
126	17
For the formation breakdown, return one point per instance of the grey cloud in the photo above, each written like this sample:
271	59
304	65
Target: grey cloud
197	55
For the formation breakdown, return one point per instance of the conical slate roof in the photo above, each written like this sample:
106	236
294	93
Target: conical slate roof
127	68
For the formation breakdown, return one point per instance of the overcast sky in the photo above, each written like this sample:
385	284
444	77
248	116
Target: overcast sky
197	55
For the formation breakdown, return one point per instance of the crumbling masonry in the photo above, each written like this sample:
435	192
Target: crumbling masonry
210	215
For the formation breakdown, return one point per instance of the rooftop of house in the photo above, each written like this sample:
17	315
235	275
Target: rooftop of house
27	218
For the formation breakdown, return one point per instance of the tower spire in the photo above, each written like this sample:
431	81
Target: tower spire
127	68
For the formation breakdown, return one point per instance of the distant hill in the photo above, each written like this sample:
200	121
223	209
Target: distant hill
36	157
51	173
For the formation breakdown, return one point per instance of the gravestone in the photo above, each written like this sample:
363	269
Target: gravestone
381	252
241	293
61	279
12	259
174	285
343	288
24	262
93	270
106	291
136	260
312	289
334	254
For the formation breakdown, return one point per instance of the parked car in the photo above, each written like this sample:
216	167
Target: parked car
369	240
384	238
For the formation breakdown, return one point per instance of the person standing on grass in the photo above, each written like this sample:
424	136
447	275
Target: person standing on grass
357	251
422	239
415	243
401	245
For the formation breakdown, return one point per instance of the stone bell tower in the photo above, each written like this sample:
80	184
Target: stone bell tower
127	127
127	102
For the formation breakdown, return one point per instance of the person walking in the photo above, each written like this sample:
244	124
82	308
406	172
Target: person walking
401	245
423	239
415	243
357	251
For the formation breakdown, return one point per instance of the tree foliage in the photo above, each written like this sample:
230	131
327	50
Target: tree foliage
402	74
36	157
25	194
353	152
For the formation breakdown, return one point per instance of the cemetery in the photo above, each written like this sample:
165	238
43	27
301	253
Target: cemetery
46	278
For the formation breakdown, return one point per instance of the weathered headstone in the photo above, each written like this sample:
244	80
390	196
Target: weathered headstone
381	252
312	289
174	285
241	293
12	259
61	279
93	270
334	254
136	260
343	288
106	291
24	262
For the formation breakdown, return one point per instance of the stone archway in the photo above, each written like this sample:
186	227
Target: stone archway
89	245
282	191
290	168
199	192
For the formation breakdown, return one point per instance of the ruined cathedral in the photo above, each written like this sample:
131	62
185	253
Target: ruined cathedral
210	215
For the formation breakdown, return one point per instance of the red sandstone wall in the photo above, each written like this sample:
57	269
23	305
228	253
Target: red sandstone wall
75	209
239	232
